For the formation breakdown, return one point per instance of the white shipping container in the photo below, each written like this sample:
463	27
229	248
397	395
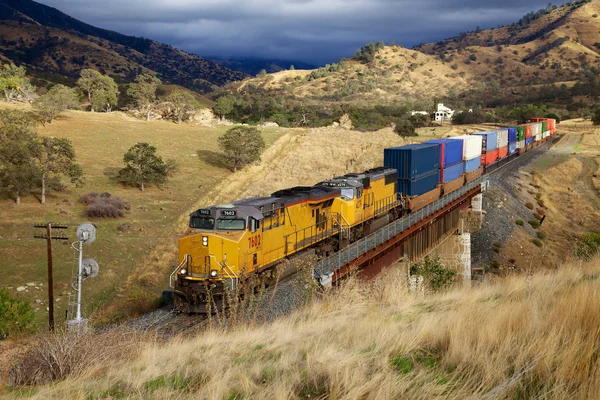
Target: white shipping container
536	128
502	138
521	144
537	138
545	134
472	145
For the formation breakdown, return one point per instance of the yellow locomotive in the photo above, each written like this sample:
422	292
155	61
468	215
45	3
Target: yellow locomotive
230	241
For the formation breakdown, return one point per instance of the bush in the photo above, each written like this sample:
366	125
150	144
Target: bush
529	205
520	222
103	206
435	276
542	235
473	57
405	128
17	316
588	245
534	223
537	242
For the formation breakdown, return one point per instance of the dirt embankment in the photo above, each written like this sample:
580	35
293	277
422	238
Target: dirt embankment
560	186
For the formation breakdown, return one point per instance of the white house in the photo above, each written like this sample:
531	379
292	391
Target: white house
443	113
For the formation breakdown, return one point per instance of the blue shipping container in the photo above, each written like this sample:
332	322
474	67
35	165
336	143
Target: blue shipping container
414	160
490	140
528	141
472	165
512	148
451	151
452	173
419	186
512	136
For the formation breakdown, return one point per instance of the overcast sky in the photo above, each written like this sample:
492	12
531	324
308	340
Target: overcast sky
315	31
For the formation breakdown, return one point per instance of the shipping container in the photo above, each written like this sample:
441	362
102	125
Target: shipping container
545	134
472	145
420	185
512	148
528	141
451	186
502	152
536	128
537	138
528	131
471	176
512	135
451	173
414	160
521	144
490	157
520	133
502	138
489	140
451	151
544	126
472	164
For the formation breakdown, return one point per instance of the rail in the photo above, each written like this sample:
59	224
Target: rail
325	268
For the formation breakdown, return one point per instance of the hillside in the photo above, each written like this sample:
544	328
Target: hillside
553	46
520	337
56	47
253	66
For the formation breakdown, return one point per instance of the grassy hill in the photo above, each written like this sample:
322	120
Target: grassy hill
554	46
520	337
55	47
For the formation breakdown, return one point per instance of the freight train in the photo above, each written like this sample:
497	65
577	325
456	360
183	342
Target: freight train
229	243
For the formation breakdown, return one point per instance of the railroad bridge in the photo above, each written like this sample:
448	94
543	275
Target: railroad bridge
446	223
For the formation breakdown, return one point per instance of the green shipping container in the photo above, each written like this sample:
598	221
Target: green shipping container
520	133
544	127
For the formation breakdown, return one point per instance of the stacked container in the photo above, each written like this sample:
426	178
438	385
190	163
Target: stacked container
512	140
521	136
451	159
489	147
472	145
536	131
418	167
502	143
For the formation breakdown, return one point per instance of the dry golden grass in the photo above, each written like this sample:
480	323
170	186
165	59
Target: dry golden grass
520	337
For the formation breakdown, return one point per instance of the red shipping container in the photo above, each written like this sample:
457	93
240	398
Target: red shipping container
490	157
502	152
527	131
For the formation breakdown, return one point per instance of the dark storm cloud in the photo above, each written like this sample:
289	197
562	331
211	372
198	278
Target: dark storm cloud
308	30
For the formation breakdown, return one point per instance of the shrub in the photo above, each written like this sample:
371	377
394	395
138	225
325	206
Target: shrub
537	242
17	316
588	245
435	276
473	57
103	206
534	223
405	128
520	222
529	205
402	364
542	235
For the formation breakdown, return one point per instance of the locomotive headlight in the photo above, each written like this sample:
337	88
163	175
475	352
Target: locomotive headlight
183	271
214	273
205	240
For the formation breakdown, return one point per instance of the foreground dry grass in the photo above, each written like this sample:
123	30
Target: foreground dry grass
521	337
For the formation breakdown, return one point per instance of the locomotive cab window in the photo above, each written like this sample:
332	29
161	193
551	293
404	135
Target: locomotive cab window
202	223
349	193
254	225
231	224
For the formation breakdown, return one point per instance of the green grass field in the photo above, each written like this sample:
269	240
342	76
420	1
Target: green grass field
100	140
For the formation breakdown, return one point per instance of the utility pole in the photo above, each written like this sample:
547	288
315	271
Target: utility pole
48	236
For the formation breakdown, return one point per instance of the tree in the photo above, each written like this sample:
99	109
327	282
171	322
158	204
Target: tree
142	166
13	82
405	128
17	316
182	103
58	99
292	68
241	146
56	159
19	147
101	90
143	92
223	106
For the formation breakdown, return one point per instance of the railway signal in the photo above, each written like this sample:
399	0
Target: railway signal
49	238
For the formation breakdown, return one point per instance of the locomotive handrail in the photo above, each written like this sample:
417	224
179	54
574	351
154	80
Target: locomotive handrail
174	273
325	267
